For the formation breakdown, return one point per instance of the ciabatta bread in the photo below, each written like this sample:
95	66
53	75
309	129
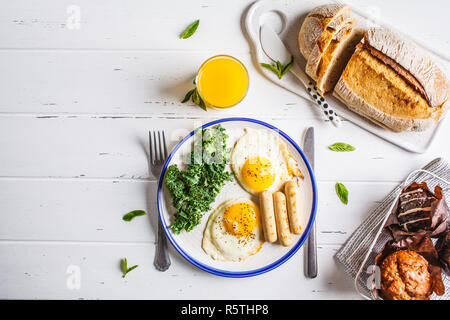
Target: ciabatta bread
394	83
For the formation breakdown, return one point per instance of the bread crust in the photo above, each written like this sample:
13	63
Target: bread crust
414	59
335	58
322	44
428	86
420	89
361	107
316	22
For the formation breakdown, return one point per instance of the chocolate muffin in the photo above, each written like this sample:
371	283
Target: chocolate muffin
405	276
415	208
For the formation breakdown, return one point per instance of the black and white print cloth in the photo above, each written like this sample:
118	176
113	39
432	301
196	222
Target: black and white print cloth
329	113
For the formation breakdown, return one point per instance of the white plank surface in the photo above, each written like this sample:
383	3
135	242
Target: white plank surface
42	270
100	146
76	105
95	213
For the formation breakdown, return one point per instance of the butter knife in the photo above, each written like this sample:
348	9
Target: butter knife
311	248
275	49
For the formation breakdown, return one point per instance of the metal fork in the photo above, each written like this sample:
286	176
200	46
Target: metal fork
158	155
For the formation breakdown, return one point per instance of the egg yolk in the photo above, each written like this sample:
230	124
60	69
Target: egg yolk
258	173
240	219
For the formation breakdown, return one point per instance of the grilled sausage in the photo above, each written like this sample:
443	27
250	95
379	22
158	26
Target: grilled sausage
292	192
268	216
281	217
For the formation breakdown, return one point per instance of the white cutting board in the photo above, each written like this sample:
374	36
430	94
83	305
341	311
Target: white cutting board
286	17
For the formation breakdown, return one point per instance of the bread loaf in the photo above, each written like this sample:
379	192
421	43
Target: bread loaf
393	82
335	58
327	39
320	26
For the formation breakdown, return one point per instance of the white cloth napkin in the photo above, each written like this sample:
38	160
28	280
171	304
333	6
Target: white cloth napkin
352	254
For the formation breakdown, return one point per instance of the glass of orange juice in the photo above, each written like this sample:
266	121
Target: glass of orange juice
222	81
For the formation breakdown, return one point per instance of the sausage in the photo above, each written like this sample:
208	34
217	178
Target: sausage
268	216
281	217
292	192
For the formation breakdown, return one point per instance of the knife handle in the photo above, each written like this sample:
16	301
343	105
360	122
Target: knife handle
311	267
327	110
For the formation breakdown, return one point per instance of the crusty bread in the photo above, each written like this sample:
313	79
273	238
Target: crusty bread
319	27
414	59
394	83
335	58
327	39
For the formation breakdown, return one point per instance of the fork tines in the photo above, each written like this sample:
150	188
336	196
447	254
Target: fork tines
157	145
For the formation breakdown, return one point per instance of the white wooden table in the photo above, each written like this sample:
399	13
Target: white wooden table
76	105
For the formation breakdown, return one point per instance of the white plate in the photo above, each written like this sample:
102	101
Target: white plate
286	17
189	244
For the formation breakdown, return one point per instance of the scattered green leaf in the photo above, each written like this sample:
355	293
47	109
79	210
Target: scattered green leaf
278	68
125	269
271	67
188	96
287	67
341	147
131	215
195	97
342	192
190	30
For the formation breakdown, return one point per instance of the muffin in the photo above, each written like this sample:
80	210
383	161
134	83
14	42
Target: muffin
405	276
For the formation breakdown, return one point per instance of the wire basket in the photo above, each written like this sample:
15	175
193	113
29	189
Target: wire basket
367	272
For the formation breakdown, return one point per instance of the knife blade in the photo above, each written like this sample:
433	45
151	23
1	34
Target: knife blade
311	267
275	49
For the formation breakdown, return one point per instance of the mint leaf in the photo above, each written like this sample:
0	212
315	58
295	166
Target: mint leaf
271	68
341	147
287	67
278	68
125	268
190	30
188	96
342	192
131	215
195	97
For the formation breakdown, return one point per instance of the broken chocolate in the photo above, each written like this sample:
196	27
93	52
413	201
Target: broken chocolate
418	211
443	248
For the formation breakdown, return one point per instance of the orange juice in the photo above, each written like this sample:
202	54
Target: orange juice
222	81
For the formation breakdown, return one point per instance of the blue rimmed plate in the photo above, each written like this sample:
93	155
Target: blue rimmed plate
189	244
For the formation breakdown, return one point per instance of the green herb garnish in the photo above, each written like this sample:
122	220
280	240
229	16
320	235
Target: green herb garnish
196	187
125	268
342	192
131	215
195	97
188	96
278	68
341	147
190	30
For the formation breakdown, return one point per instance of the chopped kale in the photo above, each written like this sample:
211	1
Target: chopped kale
196	187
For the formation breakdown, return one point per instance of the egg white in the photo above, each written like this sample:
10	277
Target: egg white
261	143
224	246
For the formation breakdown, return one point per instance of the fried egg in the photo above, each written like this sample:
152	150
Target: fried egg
233	231
261	161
